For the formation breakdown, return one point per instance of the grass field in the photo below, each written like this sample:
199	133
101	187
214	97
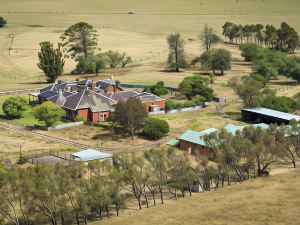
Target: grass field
141	35
271	200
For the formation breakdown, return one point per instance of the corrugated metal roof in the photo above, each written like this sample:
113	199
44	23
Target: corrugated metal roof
173	142
90	154
196	136
273	113
233	128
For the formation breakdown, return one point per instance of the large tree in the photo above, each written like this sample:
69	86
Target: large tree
51	61
196	85
49	113
248	89
131	115
209	38
80	40
2	22
176	57
287	39
216	59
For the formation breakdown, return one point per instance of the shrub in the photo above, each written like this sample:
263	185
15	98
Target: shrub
196	85
179	105
157	89
189	104
49	113
78	118
156	128
170	104
198	100
249	51
14	106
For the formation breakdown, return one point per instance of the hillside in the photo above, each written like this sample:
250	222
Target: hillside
257	7
271	200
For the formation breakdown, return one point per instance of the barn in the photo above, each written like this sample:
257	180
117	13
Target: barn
268	116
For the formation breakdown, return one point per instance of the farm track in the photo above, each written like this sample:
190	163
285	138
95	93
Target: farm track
23	130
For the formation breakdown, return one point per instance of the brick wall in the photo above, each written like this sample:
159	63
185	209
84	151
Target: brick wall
113	89
161	104
185	146
96	116
84	113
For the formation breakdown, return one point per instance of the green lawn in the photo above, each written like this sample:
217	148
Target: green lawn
27	119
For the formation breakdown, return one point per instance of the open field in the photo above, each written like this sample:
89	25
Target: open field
270	200
141	35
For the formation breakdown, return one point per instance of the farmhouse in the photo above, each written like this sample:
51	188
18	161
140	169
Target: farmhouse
94	101
263	115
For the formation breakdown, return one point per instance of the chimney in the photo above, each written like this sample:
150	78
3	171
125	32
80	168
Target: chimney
93	85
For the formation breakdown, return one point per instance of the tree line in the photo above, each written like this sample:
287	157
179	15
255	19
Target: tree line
59	194
284	39
268	64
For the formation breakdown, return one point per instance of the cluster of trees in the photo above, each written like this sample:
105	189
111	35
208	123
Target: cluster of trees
157	89
253	94
94	63
254	149
284	39
196	86
268	64
2	22
132	117
215	59
79	42
14	107
56	194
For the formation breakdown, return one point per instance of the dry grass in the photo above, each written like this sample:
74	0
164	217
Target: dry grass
270	200
11	141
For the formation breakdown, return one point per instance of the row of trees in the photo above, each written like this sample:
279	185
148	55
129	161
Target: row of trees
75	194
284	39
78	42
268	64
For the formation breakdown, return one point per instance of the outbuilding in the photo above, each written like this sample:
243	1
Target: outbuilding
268	116
90	155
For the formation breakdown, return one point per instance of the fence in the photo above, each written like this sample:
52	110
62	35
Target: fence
17	92
66	125
142	86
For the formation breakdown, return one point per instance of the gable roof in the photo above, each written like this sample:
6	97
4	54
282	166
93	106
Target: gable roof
89	99
196	137
231	128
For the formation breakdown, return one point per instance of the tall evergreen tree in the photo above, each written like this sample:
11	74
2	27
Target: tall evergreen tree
51	61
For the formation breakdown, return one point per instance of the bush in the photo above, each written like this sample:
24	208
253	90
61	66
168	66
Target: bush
170	104
49	113
78	118
2	22
196	85
198	100
189	104
22	160
249	51
157	89
156	128
14	106
179	105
